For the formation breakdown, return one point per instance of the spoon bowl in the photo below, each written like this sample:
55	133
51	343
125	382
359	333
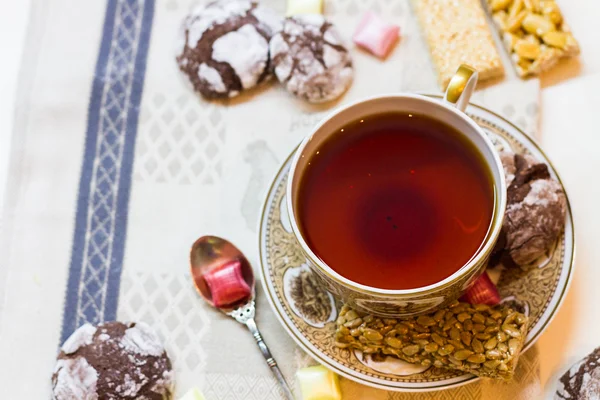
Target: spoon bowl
217	261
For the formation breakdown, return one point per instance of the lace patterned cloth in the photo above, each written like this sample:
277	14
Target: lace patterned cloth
117	167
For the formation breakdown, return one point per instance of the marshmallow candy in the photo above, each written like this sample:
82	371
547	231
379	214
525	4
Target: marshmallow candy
318	383
193	394
376	35
296	7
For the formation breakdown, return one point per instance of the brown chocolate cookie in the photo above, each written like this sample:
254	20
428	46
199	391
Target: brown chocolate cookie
113	361
310	60
582	381
535	212
225	46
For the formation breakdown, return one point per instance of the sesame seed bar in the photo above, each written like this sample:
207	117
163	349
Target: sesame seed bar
457	33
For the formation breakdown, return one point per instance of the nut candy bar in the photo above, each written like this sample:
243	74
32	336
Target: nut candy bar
478	339
457	33
534	32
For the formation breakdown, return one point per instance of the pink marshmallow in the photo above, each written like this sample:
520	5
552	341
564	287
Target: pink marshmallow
376	35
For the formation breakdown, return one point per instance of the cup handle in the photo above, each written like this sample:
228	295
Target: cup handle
461	87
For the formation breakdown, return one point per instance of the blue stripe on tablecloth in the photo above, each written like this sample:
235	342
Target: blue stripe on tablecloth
103	199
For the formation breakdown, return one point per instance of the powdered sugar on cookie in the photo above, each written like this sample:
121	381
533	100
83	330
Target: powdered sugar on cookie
246	51
113	361
141	339
81	337
130	387
203	18
543	192
75	379
225	46
212	76
535	211
582	380
309	60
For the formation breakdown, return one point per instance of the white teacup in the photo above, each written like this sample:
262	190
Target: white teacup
408	302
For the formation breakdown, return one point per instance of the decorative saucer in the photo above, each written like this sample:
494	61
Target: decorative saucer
308	312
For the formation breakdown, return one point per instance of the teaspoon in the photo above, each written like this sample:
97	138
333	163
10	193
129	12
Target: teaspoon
224	278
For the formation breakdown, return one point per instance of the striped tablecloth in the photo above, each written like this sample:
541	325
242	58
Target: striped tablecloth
116	167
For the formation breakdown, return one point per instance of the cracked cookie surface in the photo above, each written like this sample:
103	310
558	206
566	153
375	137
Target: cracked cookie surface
535	212
310	60
224	47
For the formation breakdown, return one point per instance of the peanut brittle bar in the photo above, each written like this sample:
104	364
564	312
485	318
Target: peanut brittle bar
478	339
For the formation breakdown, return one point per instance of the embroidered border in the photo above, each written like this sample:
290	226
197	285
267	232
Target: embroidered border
103	200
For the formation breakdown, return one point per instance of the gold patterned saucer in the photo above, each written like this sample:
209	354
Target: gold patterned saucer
308	312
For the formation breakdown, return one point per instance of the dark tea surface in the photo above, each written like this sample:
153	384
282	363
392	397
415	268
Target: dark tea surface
396	201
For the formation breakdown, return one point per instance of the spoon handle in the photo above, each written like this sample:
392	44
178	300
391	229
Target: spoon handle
270	360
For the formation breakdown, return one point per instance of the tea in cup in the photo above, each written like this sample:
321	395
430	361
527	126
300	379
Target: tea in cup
398	200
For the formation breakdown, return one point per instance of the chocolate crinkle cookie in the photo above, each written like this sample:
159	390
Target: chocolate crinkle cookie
225	46
113	361
310	59
582	381
535	212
